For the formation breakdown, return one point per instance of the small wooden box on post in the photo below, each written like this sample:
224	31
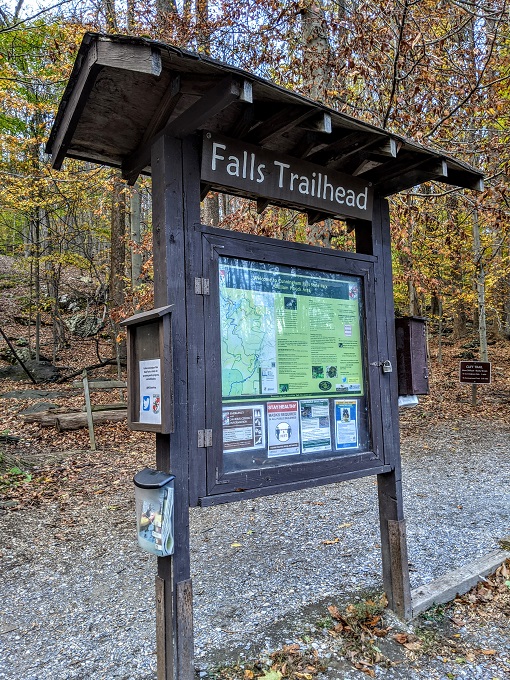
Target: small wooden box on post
149	370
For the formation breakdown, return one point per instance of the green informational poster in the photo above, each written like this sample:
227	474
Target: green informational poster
288	332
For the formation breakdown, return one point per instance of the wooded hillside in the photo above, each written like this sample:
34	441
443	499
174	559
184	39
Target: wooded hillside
436	72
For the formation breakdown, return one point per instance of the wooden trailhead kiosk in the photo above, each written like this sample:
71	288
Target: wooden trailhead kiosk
276	361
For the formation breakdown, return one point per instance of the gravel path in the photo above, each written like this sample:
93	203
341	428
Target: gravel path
77	593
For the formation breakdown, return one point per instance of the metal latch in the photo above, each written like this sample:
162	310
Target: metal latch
385	365
204	439
201	286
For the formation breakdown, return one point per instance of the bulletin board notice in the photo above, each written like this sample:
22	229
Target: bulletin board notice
288	332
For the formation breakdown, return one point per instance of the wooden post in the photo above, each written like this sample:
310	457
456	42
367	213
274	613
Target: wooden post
375	239
175	209
88	408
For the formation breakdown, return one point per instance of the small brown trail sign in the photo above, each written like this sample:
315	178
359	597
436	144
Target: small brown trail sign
475	372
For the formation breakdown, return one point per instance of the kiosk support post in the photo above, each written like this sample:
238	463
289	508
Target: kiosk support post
375	239
176	208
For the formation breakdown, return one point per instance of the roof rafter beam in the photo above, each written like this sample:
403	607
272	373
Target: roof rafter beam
343	148
319	123
377	156
166	106
307	144
425	172
139	58
215	100
276	125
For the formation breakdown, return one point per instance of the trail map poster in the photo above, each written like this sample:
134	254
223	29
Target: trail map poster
288	332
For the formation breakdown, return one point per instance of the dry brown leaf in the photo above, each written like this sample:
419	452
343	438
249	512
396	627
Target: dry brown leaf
458	622
401	638
413	646
334	612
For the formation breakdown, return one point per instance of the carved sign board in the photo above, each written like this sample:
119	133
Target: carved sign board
475	372
258	173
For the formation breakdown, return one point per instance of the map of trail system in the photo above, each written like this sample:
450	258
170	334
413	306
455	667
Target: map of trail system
288	332
248	343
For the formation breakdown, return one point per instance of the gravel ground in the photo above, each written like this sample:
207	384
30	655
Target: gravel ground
77	593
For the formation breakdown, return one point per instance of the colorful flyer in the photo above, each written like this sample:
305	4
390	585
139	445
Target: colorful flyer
346	424
315	425
283	428
150	391
243	428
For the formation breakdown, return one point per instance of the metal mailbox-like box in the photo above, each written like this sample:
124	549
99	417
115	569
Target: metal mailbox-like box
412	366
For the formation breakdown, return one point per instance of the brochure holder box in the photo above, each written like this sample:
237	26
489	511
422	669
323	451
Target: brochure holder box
154	500
412	366
149	372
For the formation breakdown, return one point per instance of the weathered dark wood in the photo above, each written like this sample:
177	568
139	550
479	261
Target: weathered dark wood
160	628
343	147
75	421
140	158
108	407
262	204
149	336
142	59
219	243
377	241
209	105
176	209
352	472
185	629
320	123
102	384
401	588
88	409
42	418
197	351
246	169
133	71
417	170
280	122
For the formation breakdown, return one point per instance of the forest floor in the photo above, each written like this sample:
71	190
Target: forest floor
42	471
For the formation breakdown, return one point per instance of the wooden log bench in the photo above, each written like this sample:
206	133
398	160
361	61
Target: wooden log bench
100	412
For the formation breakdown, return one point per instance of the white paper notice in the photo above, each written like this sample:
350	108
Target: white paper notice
283	428
150	391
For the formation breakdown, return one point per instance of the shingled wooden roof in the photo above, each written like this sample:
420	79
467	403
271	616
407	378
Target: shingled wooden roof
125	91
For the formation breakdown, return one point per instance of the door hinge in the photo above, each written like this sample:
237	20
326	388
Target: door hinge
201	286
204	439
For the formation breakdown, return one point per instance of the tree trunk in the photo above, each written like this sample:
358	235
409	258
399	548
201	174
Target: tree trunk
135	223
315	50
480	287
110	16
212	210
117	257
203	30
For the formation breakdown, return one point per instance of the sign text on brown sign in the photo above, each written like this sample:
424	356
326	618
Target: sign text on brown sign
475	372
258	173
